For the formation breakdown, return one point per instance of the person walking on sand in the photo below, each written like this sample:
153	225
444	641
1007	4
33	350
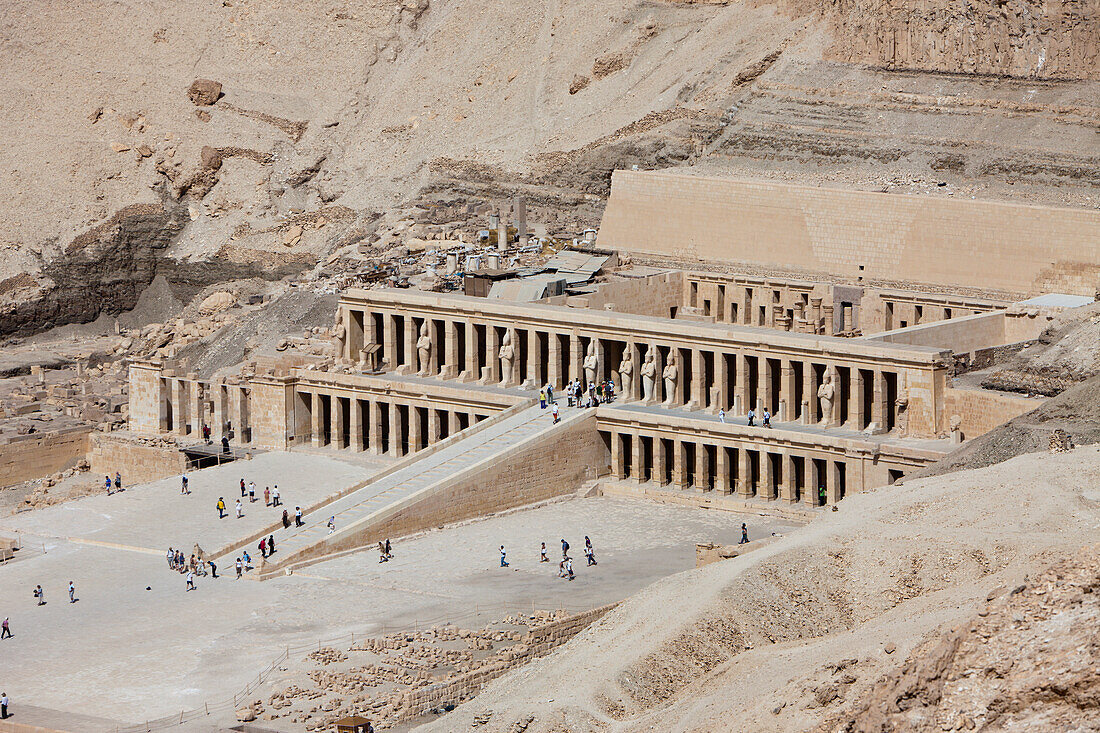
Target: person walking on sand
564	549
240	509
554	412
221	507
118	481
72	592
267	496
286	519
767	418
183	485
382	552
332	524
275	501
752	417
744	534
503	557
213	568
542	554
5	629
40	595
298	516
270	545
243	489
569	568
389	555
561	569
240	568
108	482
190	580
263	547
252	492
4	703
722	416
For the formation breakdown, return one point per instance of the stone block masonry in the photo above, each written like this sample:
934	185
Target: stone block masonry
137	462
1008	247
27	457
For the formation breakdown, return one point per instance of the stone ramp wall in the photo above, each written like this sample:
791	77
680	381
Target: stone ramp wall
27	457
137	462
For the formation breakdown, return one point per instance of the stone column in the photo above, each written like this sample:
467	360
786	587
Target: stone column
832	481
697	396
356	424
470	372
576	358
389	343
787	391
679	467
764	386
741	383
179	406
722	471
617	468
809	394
396	448
491	374
855	399
637	459
433	425
813	481
719	392
450	365
636	356
834	419
702	468
878	403
337	417
786	489
766	489
221	410
534	360
410	366
744	476
658	380
519	211
416	436
241	417
554	362
829	325
198	416
316	427
815	313
374	434
453	425
660	461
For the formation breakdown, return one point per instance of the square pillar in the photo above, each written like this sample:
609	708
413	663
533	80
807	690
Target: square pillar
396	448
221	410
453	425
576	358
491	374
316	428
389	343
702	468
722	471
741	384
832	481
879	408
786	488
660	461
787	392
637	458
809	394
240	415
834	419
450	366
744	482
198	416
410	366
813	481
433	426
179	404
697	397
719	399
679	469
336	415
374	433
355	424
764	386
555	363
766	489
534	360
855	399
470	370
617	469
416	436
658	381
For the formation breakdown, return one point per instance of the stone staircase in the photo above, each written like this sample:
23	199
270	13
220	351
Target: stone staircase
356	512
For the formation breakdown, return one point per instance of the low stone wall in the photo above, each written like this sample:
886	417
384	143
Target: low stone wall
538	642
981	411
645	296
138	463
27	457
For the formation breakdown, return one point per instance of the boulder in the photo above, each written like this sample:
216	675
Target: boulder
210	158
204	92
217	302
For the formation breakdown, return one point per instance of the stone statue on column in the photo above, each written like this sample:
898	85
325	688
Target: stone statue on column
825	395
424	350
626	374
671	375
901	414
591	363
649	374
507	355
339	336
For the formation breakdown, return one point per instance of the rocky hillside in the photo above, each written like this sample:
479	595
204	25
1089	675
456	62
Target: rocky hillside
327	128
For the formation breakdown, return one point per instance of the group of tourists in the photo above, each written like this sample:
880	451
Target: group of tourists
765	418
113	486
565	567
596	393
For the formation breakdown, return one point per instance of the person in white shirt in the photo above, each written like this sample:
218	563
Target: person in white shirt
190	580
4	702
240	509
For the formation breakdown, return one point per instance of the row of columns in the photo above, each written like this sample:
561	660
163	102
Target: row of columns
188	403
786	309
730	469
390	427
702	380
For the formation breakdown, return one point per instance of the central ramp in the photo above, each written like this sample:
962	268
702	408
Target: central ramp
510	461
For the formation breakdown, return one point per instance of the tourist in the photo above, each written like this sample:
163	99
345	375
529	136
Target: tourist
542	554
286	519
721	416
225	444
247	560
767	418
206	433
240	509
270	545
550	393
587	543
503	560
331	524
744	534
243	489
752	417
72	592
382	552
221	507
569	568
554	412
564	548
118	482
298	516
5	629
387	548
171	558
183	485
4	701
821	496
275	496
190	580
40	595
240	568
251	493
263	547
561	569
590	555
542	398
213	568
108	482
267	496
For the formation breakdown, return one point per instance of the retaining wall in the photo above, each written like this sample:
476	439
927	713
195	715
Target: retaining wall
27	457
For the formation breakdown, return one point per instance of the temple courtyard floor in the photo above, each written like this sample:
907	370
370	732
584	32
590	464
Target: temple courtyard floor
136	645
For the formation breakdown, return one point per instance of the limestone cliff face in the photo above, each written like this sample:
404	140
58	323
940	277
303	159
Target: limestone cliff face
1044	39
